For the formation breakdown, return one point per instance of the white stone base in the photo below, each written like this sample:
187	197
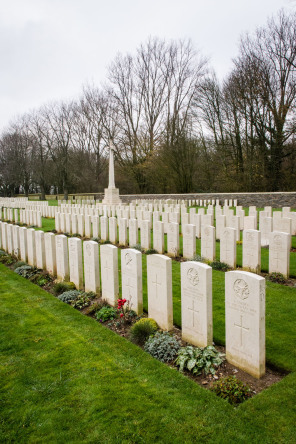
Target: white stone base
111	196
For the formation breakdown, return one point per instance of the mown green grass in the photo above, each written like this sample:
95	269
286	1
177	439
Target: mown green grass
66	378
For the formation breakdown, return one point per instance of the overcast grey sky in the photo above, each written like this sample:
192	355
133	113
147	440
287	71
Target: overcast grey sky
50	48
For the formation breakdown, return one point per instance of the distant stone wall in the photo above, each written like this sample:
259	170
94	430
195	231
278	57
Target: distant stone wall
276	200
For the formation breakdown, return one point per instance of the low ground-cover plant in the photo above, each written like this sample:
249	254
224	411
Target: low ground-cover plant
199	360
278	278
197	258
69	296
106	313
232	389
40	277
220	266
142	329
83	300
151	251
6	258
61	287
25	271
18	264
162	346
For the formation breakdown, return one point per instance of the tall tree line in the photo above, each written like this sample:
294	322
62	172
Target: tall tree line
174	126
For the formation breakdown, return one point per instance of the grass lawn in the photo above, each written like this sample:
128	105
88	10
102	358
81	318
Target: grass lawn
66	378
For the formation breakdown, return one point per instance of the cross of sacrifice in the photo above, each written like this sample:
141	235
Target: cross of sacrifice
241	329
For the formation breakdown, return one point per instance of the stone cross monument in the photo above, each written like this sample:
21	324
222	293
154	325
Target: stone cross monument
111	193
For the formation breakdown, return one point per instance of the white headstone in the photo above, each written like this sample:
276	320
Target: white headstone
131	278
189	241
113	230
109	273
196	298
208	243
40	249
228	247
75	261
50	253
62	262
145	235
31	247
133	232
122	228
23	244
245	321
104	228
160	298
252	250
158	236
91	266
173	245
279	253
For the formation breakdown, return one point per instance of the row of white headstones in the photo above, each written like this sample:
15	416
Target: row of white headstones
244	291
106	228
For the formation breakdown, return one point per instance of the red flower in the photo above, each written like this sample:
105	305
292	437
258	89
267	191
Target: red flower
121	315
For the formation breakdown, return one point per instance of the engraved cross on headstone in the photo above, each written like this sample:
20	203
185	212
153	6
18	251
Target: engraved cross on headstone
194	311
107	268
156	284
129	286
241	329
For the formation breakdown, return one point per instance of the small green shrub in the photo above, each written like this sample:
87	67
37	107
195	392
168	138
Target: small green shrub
220	266
106	313
2	253
96	239
162	346
199	360
19	264
69	296
61	287
83	300
151	251
93	308
278	278
106	242
142	329
6	259
232	389
24	271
